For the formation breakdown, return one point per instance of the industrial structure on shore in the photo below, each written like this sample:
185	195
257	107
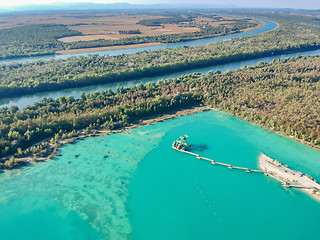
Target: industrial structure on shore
289	178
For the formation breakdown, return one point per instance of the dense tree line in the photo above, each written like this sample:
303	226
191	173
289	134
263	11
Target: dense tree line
169	38
282	96
39	39
42	39
205	32
19	79
137	31
161	21
303	16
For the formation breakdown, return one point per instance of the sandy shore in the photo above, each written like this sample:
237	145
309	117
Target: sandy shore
260	25
289	177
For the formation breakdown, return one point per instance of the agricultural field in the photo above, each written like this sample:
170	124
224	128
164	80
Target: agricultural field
84	31
108	28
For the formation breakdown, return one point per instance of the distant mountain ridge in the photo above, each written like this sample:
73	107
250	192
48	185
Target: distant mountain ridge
107	6
90	6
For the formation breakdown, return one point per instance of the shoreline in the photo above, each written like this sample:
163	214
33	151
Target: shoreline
260	25
157	118
82	134
283	134
140	45
287	182
286	136
117	47
289	177
54	147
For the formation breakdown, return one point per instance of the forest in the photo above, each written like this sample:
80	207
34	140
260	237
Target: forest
42	39
282	96
38	39
19	79
161	21
137	31
169	38
205	32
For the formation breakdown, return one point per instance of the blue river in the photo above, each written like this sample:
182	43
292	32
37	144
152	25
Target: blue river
132	185
268	26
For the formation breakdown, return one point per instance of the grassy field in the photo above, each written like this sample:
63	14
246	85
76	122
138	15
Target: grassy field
62	32
107	25
95	25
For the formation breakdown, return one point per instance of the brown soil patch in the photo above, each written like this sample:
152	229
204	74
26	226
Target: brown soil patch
108	28
214	23
88	38
75	20
111	34
104	25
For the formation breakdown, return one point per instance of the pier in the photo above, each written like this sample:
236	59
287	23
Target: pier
181	145
269	167
248	170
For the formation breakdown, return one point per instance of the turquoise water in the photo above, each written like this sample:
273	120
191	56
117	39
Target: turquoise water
87	193
134	186
33	217
176	196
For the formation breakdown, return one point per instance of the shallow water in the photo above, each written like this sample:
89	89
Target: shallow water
86	184
34	217
133	185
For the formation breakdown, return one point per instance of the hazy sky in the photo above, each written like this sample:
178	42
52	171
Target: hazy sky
305	4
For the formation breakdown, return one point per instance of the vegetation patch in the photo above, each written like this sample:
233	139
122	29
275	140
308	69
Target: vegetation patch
161	21
20	38
281	96
32	40
19	79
